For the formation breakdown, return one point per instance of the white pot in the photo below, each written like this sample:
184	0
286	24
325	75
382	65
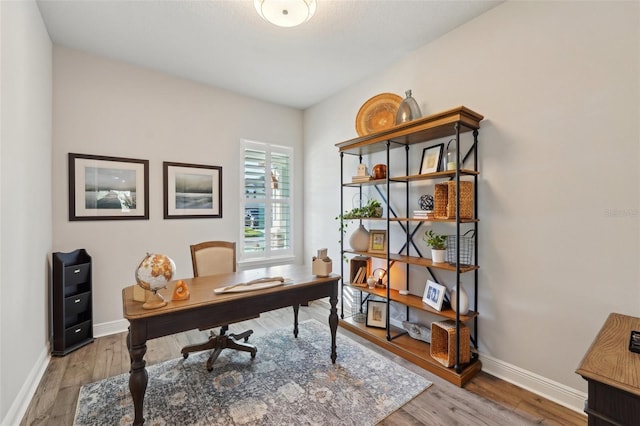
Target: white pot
359	240
437	256
464	300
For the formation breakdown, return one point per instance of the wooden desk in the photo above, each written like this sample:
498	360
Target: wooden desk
205	309
613	374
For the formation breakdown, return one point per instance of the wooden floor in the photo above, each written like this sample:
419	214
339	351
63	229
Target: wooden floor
485	400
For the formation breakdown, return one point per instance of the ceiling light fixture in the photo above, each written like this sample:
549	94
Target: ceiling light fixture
285	13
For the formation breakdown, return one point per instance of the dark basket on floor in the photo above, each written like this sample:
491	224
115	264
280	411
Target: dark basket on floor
467	248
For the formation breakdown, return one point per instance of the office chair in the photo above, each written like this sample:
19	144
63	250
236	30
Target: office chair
210	258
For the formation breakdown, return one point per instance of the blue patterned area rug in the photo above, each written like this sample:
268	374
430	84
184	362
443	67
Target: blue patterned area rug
290	382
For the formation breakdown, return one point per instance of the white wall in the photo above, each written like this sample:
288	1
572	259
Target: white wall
104	107
558	83
25	203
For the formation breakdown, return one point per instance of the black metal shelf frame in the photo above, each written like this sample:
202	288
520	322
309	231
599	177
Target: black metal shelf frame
406	228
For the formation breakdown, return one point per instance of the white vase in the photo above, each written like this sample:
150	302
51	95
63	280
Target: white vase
359	240
464	300
437	256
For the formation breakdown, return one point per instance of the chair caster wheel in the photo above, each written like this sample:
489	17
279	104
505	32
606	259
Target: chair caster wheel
246	339
185	356
253	355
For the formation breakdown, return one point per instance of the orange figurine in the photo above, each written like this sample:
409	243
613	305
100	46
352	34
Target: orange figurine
181	292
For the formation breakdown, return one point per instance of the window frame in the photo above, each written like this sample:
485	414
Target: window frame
269	255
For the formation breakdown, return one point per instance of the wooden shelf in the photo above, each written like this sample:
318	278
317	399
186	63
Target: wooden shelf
416	219
426	176
427	128
412	219
453	122
413	301
415	351
415	260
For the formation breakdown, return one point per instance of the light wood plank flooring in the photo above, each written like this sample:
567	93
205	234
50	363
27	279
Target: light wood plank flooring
485	400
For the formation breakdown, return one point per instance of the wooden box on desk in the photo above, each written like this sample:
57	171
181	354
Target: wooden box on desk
355	264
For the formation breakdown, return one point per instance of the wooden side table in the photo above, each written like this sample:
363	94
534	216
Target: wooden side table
613	374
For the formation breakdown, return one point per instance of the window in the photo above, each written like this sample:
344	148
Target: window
266	201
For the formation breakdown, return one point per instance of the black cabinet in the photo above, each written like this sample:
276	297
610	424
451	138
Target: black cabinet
71	305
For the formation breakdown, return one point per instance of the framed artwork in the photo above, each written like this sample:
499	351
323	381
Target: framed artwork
376	314
434	295
431	159
108	188
192	191
378	241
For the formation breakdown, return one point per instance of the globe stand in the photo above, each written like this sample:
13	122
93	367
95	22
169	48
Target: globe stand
154	301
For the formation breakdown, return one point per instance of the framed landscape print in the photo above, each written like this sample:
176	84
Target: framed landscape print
192	191
108	188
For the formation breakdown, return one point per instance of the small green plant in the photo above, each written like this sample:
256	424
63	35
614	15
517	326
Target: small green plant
435	241
371	209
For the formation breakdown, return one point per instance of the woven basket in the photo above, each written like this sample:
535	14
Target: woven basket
443	343
445	200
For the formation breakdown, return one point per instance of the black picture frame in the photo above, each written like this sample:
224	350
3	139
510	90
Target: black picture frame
192	191
376	314
431	159
107	188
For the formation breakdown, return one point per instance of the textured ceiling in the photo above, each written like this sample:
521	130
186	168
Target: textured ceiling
224	43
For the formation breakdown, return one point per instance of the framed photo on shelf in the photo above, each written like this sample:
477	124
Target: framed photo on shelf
108	188
192	191
376	314
434	295
378	241
431	159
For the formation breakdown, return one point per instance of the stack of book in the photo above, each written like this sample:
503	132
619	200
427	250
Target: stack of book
358	179
360	279
423	214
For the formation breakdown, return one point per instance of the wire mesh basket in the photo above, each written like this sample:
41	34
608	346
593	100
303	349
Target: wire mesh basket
467	245
358	314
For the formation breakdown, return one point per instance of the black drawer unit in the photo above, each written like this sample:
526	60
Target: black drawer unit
71	305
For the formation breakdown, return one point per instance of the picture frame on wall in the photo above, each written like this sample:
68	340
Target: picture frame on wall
431	159
378	241
434	295
192	191
376	314
107	188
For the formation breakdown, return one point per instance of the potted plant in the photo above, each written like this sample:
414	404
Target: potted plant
371	209
359	240
438	244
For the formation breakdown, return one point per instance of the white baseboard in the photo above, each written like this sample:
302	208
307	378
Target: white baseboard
553	391
549	389
112	327
23	399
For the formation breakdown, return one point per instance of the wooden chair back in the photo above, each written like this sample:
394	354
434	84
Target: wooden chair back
213	257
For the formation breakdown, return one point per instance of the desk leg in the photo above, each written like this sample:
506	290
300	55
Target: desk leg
296	308
138	377
333	323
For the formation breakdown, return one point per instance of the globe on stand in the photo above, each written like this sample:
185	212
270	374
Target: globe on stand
154	272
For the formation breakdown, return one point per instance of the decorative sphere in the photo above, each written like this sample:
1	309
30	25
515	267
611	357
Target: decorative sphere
426	202
155	271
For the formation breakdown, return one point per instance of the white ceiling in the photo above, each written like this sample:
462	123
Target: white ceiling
224	43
